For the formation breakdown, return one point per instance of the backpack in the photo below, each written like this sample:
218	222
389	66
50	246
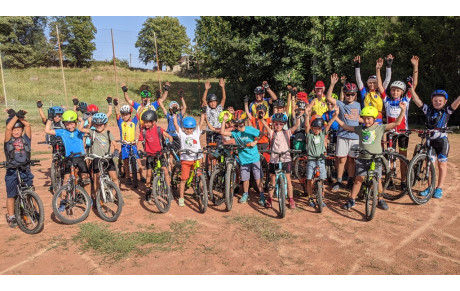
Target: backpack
92	140
9	149
288	140
160	136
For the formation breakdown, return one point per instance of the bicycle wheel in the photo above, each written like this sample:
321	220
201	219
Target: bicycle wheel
133	163
281	192
372	192
392	176
230	176
217	187
201	192
300	167
75	204
319	195
422	176
109	208
29	212
175	179
56	177
161	194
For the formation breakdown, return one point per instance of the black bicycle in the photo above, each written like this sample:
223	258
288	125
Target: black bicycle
28	207
57	165
161	191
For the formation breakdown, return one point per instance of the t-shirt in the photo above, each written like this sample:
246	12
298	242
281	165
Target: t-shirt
212	115
316	144
127	129
247	155
371	99
101	143
437	119
141	109
73	141
349	113
20	154
328	116
171	128
370	139
280	144
190	142
254	104
393	110
152	140
257	123
319	106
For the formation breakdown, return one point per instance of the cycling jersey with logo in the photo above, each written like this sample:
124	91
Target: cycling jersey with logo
370	139
319	107
127	129
254	104
437	119
212	114
141	109
393	110
371	99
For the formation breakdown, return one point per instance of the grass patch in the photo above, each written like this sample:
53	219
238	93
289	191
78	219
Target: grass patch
262	226
40	153
115	245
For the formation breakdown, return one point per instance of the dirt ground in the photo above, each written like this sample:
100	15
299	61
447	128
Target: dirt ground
407	239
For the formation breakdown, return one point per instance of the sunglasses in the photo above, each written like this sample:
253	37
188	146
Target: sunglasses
350	95
240	125
279	124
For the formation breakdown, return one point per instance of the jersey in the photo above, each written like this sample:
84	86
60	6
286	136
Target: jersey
437	119
257	123
254	104
371	99
141	109
319	107
393	110
73	141
171	128
127	129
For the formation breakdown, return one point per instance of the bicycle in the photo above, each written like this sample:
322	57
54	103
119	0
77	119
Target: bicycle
132	162
421	168
57	167
161	190
28	207
210	163
71	198
281	182
109	201
318	183
331	169
300	166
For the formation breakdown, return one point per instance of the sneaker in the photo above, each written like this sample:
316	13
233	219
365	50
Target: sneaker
244	198
181	202
148	196
262	200
350	203
437	193
62	205
424	192
311	202
291	203
350	184
337	186
382	205
143	180
268	203
11	221
129	182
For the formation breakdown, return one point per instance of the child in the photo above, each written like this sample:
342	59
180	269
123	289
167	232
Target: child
173	109
17	151
212	112
127	127
436	117
279	142
256	122
370	137
189	138
152	135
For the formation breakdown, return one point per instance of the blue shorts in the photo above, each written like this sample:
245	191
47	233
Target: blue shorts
311	169
11	181
125	149
247	169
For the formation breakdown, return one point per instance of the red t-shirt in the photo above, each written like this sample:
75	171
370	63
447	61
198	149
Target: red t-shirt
152	140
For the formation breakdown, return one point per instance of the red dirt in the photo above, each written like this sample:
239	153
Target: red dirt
407	239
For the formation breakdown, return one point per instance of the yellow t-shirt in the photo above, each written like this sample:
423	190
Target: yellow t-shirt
253	108
373	99
320	107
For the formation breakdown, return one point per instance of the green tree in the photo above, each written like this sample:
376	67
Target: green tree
172	41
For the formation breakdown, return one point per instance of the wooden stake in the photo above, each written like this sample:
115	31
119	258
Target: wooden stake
62	66
3	80
158	64
114	63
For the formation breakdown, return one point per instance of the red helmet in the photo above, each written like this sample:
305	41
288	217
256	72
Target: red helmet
350	88
92	109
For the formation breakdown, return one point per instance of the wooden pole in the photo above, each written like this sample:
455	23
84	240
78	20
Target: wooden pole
198	68
3	80
114	62
158	64
62	66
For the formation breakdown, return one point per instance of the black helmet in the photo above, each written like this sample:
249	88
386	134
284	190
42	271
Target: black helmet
149	115
211	97
259	90
317	122
17	124
261	107
279	103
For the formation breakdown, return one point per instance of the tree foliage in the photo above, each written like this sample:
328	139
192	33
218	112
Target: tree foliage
172	40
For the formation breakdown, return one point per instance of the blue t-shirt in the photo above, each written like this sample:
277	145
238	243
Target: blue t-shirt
247	155
73	140
349	113
171	128
328	116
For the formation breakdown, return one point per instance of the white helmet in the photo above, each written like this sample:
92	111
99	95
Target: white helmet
399	84
125	109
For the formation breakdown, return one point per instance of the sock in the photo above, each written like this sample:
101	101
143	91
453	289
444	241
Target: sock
245	193
339	180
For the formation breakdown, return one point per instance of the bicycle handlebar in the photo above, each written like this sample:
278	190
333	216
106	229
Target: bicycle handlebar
361	150
187	151
28	163
282	153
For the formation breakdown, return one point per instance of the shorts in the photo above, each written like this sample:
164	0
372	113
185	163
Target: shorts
212	136
150	161
346	147
441	149
402	141
362	165
11	181
96	170
246	171
287	167
126	148
80	163
311	169
186	169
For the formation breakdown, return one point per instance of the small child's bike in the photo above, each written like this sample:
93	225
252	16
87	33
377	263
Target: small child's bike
318	183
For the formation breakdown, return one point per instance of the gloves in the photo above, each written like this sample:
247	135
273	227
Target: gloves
50	114
410	81
246	98
115	101
124	89
21	114
11	112
181	93
266	85
166	87
39	104
389	62
174	110
75	101
157	94
203	109
140	153
109	100
293	92
357	64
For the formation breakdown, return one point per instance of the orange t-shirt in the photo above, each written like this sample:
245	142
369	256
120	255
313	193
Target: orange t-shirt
256	123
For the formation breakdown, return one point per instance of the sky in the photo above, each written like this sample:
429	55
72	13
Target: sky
125	31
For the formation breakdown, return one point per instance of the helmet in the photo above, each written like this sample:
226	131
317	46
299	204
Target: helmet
69	116
350	88
369	111
279	103
259	90
301	104
373	77
211	97
239	117
317	122
261	107
335	96
149	115
189	122
126	109
280	117
399	84
83	106
92	109
302	96
100	118
173	103
440	93
221	116
146	94
18	124
58	110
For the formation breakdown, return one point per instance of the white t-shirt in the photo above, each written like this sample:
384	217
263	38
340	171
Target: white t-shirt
190	142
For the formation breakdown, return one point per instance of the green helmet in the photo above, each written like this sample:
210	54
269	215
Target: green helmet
69	116
146	94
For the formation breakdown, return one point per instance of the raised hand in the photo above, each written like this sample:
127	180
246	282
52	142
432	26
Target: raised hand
265	85
222	82
414	61
389	60
124	88
207	85
181	93
109	100
75	101
379	64
21	114
402	105
357	61
39	104
115	101
166	86
334	78
343	79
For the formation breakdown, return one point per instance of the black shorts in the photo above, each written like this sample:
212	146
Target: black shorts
440	149
287	167
212	136
150	161
80	164
96	170
402	141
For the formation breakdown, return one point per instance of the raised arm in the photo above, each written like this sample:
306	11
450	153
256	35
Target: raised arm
202	120
166	135
296	125
160	102
182	99
397	122
48	129
125	94
165	93
21	115
207	86
269	130
414	62
117	110
345	126
378	66
109	101
415	97
222	129
270	92
224	96
176	125
246	107
307	119
359	81
343	79
40	111
81	125
75	103
334	80
389	60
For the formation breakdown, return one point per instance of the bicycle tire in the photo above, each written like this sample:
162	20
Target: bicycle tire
229	186
281	194
56	177
117	200
417	170
161	194
392	189
201	193
70	205
217	187
133	163
175	179
319	195
300	167
371	199
26	212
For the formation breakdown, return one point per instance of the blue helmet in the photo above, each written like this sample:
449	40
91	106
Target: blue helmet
100	118
280	117
58	110
189	122
440	93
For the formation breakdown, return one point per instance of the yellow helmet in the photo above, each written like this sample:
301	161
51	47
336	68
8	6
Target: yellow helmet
221	116
369	111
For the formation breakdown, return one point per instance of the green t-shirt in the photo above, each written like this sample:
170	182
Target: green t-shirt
315	144
370	139
101	145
